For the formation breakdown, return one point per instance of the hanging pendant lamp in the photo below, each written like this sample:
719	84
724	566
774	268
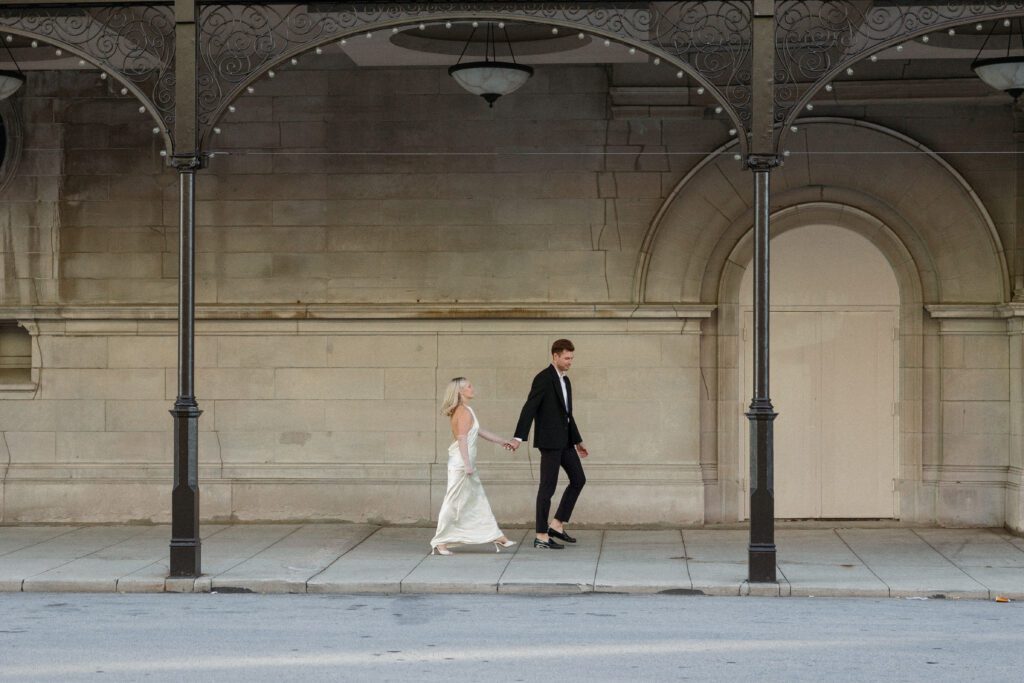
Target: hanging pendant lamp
10	81
1002	73
490	79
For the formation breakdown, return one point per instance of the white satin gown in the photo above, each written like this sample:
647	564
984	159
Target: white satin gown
465	516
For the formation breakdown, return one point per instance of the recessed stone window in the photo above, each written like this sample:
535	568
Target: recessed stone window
15	354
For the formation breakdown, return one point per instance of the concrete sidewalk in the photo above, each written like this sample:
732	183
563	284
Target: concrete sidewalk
356	558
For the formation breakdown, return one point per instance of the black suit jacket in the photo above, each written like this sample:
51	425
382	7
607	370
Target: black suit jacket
555	426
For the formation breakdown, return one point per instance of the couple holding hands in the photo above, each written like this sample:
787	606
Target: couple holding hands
466	516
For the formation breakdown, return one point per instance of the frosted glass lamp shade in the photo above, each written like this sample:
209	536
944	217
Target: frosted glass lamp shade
490	80
10	81
1002	73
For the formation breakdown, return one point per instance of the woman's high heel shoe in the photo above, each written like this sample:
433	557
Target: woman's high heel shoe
440	551
498	545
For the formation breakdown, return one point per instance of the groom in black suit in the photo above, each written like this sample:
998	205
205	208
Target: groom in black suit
555	435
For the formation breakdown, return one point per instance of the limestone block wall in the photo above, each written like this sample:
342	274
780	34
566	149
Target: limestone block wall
33	178
339	288
340	419
1015	471
370	186
971	474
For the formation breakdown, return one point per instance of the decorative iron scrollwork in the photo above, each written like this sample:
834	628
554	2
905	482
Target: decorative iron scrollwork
133	42
818	39
715	39
238	42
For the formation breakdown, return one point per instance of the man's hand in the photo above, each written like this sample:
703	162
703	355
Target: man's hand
514	444
510	445
582	450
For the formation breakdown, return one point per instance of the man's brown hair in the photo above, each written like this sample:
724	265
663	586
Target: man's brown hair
561	345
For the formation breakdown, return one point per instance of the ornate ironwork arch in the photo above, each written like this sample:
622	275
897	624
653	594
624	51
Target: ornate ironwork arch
818	40
132	43
709	41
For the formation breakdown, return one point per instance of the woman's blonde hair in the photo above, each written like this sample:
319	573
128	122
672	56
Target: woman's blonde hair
452	395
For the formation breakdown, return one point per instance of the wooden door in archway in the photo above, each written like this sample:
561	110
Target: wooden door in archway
834	336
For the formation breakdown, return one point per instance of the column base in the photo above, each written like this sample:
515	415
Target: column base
186	558
761	563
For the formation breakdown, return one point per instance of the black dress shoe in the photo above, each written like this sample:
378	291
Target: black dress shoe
549	544
561	535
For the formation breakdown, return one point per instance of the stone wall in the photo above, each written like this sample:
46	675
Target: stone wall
340	420
339	289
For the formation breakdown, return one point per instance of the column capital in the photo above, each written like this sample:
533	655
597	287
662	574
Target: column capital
188	162
762	162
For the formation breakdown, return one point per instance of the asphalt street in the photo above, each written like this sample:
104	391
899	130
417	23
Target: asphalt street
243	637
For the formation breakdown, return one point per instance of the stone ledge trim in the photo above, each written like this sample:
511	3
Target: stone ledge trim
432	311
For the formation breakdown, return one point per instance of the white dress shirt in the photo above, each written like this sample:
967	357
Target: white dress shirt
565	392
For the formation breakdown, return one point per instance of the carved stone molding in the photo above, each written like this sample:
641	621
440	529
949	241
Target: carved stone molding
14	140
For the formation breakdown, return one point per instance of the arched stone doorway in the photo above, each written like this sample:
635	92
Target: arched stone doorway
835	320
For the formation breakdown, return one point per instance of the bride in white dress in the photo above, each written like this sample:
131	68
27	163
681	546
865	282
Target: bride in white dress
465	516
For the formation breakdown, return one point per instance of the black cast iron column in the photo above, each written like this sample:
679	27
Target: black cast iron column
185	545
761	551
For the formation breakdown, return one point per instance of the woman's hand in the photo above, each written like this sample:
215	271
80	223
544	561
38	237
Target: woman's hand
508	445
470	471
